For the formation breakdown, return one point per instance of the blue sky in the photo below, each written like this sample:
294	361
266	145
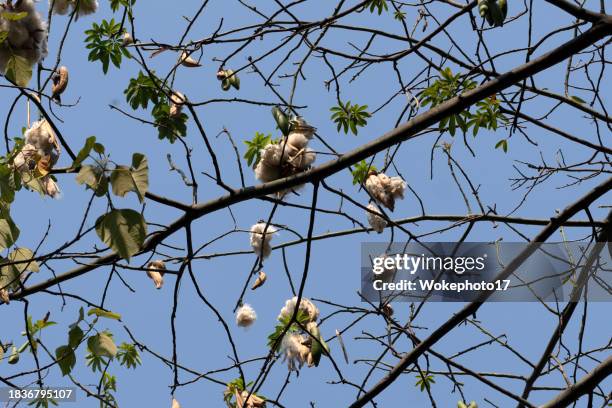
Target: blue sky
334	270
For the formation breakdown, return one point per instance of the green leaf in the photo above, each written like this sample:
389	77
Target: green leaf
122	230
3	36
128	356
66	359
18	70
125	179
503	143
103	313
13	16
282	120
94	178
360	172
8	230
84	152
102	345
14	357
75	336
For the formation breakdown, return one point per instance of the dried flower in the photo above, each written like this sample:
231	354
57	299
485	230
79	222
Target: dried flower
260	242
245	315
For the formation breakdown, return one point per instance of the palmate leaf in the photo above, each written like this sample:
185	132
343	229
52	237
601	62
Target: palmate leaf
136	178
123	231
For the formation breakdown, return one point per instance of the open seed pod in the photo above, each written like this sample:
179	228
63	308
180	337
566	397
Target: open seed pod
177	100
60	83
127	39
175	403
244	400
155	271
187	61
261	279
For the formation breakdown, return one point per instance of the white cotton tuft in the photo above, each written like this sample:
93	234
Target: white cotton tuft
60	6
385	189
289	156
50	187
398	185
26	37
245	315
305	305
377	222
82	7
294	352
259	243
86	7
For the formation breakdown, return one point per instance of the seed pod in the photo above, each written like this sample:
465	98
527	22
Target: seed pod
155	272
233	79
60	83
187	61
127	39
14	357
4	296
177	100
261	279
175	404
473	405
226	84
221	75
387	310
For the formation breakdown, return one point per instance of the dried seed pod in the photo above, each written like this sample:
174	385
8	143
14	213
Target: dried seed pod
261	279
177	100
245	315
4	296
60	83
387	310
244	400
175	403
155	271
187	61
221	75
